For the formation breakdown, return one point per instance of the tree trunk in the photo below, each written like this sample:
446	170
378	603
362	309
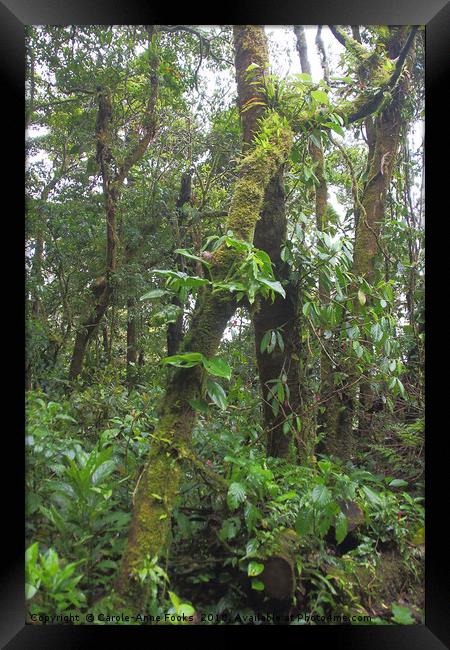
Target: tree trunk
321	204
157	487
270	235
131	341
175	330
112	187
85	333
384	136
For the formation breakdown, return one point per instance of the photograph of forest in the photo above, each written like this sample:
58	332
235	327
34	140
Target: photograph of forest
225	325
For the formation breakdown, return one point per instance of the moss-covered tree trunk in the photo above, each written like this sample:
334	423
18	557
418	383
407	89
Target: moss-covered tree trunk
383	139
157	487
270	234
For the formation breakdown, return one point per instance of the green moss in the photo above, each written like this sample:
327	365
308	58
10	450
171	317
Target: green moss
154	501
253	38
256	170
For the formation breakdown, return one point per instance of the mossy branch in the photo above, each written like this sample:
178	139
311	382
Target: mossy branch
374	103
349	43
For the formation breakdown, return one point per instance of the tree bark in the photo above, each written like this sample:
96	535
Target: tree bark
131	341
321	204
270	234
175	330
384	136
157	486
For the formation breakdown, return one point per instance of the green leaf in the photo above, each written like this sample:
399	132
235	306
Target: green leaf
315	137
273	341
155	293
257	585
401	615
303	524
31	554
324	524
236	495
30	590
358	348
274	285
255	568
341	527
217	394
252	515
185	253
280	392
295	157
185	609
321	495
217	367
377	332
398	482
200	405
230	528
176	602
419	537
372	496
286	497
186	360
280	341
338	129
64	416
252	66
265	341
362	297
320	96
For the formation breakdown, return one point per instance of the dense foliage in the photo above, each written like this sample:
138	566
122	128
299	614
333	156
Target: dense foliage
134	161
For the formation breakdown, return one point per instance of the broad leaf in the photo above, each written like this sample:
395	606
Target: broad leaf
217	367
217	394
255	568
236	495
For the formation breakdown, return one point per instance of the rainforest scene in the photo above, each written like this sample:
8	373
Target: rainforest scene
225	325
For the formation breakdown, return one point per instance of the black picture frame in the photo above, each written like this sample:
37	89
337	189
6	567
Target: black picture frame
14	16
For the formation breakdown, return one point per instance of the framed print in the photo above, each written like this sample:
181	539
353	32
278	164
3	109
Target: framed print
225	323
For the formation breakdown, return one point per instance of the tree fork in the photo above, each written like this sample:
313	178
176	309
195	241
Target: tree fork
157	488
270	234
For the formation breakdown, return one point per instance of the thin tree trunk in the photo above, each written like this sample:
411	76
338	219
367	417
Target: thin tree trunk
131	341
384	137
327	393
270	234
105	341
175	330
112	187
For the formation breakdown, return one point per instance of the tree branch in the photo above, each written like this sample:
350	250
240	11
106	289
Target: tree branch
150	119
350	44
374	102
